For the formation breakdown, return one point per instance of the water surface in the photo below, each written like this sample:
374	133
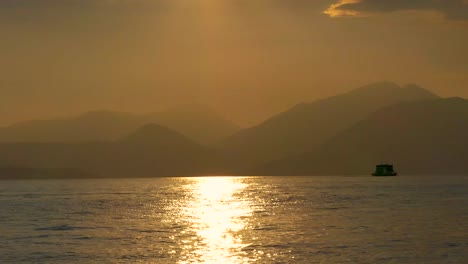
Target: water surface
407	219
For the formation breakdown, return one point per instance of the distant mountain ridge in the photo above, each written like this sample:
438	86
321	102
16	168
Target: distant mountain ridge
346	134
13	173
309	125
200	123
419	137
155	134
151	151
196	122
90	126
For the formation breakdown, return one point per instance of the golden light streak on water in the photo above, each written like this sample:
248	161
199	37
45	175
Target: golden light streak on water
216	215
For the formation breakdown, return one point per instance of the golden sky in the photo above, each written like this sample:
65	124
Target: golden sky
246	58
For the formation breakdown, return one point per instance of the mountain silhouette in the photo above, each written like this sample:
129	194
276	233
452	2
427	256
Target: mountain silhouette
154	134
198	122
309	125
10	173
151	151
427	137
90	126
345	134
195	122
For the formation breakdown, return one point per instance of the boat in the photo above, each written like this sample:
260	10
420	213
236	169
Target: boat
384	170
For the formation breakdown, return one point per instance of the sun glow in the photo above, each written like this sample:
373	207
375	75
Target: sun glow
216	215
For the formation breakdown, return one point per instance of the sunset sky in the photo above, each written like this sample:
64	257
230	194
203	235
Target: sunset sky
248	59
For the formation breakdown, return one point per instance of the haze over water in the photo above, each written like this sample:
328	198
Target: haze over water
407	219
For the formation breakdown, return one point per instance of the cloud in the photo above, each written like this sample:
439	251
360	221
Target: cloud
456	10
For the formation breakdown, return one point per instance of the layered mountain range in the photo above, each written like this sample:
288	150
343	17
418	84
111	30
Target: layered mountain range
308	125
345	134
424	137
197	122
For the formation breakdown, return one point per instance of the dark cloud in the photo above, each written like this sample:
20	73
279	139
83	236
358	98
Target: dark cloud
451	9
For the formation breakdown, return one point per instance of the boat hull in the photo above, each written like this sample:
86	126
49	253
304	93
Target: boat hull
384	175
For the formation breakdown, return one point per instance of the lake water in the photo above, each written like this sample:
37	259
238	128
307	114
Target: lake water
405	219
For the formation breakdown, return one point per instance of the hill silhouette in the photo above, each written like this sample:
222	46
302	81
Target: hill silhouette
195	122
309	125
90	126
11	173
419	137
151	151
344	134
156	135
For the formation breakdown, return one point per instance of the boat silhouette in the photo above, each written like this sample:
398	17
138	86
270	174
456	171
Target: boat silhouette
384	170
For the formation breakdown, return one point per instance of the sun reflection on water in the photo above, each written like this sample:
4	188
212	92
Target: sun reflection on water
215	215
